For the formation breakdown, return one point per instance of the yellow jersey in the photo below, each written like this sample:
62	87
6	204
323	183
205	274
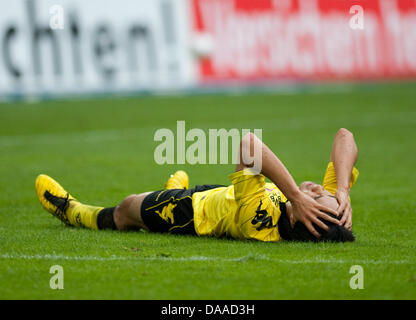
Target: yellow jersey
247	209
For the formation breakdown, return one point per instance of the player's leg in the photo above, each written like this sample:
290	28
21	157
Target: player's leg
127	215
56	200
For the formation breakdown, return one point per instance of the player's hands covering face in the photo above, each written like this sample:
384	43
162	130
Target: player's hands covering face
344	208
307	211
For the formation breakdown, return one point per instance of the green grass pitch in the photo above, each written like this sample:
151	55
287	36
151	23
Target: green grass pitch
101	150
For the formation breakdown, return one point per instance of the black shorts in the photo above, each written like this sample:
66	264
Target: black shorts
171	211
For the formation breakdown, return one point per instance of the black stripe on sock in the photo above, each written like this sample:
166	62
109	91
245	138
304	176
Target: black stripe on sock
105	219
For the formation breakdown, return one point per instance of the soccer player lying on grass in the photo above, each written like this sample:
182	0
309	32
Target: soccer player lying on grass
249	208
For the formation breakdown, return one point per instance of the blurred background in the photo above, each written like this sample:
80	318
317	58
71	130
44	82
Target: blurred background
74	47
85	84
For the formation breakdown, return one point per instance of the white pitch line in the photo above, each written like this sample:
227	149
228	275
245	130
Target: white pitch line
196	258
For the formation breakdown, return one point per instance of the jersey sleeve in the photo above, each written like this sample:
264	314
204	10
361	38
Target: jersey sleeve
257	215
330	178
247	185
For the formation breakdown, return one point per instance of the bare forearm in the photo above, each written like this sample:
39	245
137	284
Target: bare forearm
305	209
272	168
344	155
276	171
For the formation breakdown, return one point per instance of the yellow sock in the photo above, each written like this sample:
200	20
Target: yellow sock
82	215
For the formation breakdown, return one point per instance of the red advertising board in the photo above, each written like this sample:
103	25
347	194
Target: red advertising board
307	39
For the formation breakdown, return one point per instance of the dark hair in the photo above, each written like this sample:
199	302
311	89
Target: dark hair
301	233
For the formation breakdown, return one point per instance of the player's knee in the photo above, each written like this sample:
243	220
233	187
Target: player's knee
122	213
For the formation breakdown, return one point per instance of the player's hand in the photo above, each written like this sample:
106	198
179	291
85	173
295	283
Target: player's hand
307	211
344	208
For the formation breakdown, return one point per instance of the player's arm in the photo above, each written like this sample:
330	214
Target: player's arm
344	155
306	209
